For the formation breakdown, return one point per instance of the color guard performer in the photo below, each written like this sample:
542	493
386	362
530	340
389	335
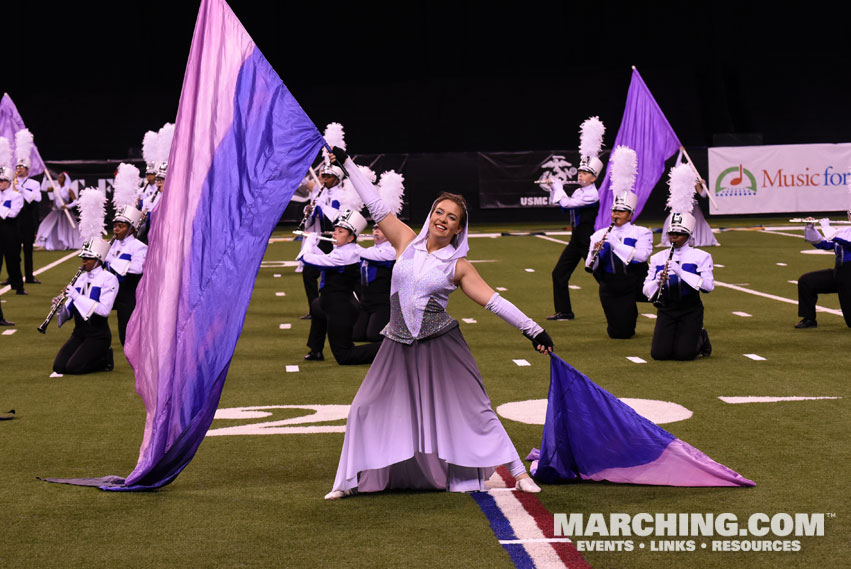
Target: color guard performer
618	255
676	277
582	206
826	281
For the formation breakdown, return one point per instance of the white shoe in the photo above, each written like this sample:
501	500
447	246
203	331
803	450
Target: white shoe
527	485
339	494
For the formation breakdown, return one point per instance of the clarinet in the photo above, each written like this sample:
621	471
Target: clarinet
590	267
658	299
60	302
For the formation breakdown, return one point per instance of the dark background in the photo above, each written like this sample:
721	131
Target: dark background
89	80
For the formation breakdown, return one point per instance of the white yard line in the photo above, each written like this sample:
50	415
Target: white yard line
37	272
773	297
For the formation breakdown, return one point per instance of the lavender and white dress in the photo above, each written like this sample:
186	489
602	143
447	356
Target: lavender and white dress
421	418
55	232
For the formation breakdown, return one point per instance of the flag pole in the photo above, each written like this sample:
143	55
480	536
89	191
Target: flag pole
699	177
56	192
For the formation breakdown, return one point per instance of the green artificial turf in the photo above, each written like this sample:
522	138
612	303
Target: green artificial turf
256	500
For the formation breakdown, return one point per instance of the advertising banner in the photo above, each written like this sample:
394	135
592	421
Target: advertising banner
507	179
780	179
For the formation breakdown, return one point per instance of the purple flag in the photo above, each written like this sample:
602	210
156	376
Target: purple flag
241	145
589	434
645	129
10	123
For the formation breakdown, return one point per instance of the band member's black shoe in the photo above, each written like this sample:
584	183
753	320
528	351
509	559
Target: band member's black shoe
807	323
314	357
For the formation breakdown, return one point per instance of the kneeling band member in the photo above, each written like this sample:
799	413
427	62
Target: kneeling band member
376	270
675	279
90	301
837	279
336	309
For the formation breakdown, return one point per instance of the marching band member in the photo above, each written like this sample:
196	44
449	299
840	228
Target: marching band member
11	204
126	257
676	277
91	297
377	262
582	205
376	269
31	192
335	311
421	418
618	255
826	281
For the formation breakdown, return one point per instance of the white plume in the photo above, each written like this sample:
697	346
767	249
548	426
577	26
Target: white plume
126	183
681	182
348	195
624	169
23	144
5	152
591	137
335	136
391	188
163	146
92	205
149	145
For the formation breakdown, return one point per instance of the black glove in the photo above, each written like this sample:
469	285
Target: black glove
340	155
542	339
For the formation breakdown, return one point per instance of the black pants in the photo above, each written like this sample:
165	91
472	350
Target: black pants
567	261
827	281
125	302
87	349
10	242
677	333
28	226
334	315
618	295
371	321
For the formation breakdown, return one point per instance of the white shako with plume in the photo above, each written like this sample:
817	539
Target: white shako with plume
124	197
163	148
149	144
23	147
92	205
391	189
681	182
623	173
334	136
590	143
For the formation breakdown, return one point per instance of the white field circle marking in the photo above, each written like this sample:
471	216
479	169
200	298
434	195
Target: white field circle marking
534	411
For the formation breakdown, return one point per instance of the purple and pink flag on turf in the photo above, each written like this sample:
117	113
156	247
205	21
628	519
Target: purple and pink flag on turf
589	434
241	146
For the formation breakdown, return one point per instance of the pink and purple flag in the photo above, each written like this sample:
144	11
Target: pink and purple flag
645	129
241	146
10	123
589	434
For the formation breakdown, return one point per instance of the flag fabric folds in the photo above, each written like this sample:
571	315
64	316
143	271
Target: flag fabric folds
241	146
589	434
645	129
10	123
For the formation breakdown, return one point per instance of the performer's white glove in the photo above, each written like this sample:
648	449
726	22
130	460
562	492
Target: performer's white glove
811	234
72	292
826	228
